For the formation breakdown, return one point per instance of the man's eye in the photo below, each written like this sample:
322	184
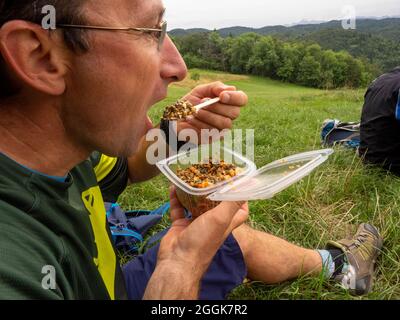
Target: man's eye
150	33
155	34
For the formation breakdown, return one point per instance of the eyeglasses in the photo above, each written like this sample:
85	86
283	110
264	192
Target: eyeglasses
158	33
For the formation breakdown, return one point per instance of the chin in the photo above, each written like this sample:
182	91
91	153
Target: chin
125	147
130	150
161	95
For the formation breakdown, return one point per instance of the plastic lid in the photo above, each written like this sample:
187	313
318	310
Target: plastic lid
273	178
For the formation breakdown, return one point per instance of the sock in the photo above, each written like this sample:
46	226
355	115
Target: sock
339	258
328	265
334	262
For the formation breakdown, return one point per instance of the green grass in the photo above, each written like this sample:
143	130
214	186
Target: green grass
329	204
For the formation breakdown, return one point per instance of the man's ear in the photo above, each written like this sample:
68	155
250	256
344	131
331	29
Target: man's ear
33	56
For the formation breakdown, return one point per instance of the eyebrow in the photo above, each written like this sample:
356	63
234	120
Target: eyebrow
159	16
162	14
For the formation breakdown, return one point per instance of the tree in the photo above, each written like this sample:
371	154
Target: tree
241	51
329	63
354	72
295	62
340	70
309	72
290	57
264	60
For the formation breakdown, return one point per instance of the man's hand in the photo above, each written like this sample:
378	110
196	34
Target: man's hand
217	116
188	248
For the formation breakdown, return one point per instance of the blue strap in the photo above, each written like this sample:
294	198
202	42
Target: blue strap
398	108
353	143
111	209
162	210
138	212
115	231
118	231
327	128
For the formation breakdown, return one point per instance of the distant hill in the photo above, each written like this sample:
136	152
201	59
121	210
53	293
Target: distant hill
388	28
375	39
183	32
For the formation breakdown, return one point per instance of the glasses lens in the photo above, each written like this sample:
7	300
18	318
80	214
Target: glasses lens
163	34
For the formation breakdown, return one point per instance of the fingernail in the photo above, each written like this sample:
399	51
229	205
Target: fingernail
225	98
189	118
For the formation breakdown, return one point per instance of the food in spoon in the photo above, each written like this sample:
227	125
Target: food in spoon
180	110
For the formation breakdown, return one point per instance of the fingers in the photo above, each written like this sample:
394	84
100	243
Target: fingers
228	209
209	120
177	211
234	98
199	124
217	90
240	217
199	240
229	111
220	116
226	217
211	90
228	97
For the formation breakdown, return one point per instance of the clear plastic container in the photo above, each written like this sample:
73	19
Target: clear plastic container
249	184
194	199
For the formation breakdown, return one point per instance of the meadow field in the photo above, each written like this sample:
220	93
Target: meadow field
329	204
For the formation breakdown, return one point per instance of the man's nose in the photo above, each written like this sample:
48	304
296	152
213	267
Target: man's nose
173	67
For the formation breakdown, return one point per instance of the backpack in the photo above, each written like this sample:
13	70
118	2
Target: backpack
334	132
129	228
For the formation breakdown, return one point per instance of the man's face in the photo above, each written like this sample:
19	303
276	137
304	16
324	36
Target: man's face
111	88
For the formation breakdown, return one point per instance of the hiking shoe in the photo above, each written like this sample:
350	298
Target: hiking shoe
361	252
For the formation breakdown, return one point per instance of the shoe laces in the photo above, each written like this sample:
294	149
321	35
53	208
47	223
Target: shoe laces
363	245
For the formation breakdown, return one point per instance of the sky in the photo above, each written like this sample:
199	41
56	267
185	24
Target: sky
218	14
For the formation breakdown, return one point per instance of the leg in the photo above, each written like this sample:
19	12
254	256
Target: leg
226	271
272	260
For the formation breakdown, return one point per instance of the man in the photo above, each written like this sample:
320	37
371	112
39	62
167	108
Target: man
86	87
380	123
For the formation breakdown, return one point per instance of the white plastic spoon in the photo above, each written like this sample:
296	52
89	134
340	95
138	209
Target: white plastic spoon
206	104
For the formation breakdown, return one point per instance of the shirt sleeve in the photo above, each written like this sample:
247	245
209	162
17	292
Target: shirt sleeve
111	174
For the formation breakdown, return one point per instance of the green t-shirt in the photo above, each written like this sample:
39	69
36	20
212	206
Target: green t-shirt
54	239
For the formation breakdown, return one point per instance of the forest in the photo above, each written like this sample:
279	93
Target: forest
267	56
315	55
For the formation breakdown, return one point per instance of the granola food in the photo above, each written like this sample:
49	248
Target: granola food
204	175
179	110
196	205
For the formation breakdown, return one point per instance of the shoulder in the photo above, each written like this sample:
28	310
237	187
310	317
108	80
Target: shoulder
388	83
27	252
102	164
111	174
20	230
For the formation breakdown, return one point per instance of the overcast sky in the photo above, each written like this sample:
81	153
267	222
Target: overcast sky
212	14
